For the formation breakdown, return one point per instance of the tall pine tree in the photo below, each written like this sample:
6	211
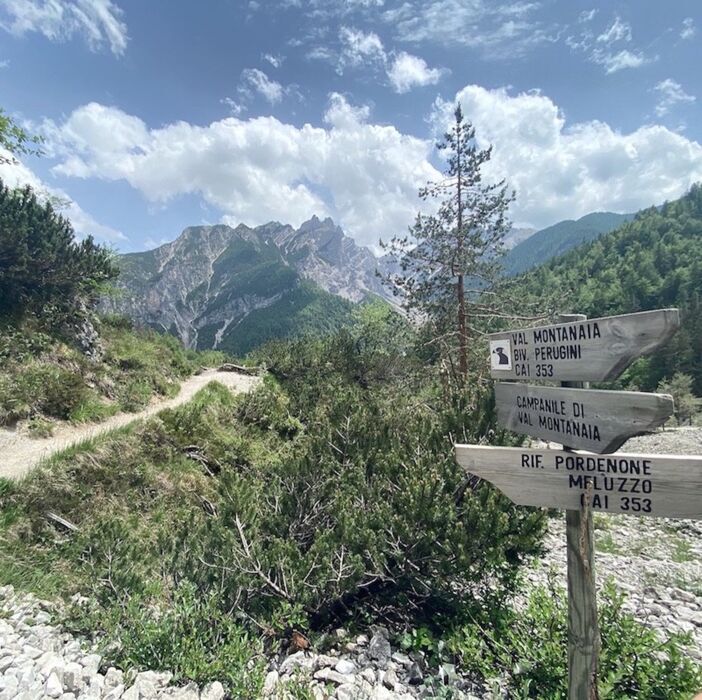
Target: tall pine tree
448	265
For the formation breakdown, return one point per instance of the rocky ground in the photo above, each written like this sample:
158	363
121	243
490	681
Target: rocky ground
657	562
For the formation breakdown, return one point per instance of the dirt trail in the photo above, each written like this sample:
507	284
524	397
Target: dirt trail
19	453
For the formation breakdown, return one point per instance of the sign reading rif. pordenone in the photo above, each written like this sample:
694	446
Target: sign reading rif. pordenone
585	419
634	484
597	349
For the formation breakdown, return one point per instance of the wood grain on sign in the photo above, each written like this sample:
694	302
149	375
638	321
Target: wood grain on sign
597	421
663	486
597	349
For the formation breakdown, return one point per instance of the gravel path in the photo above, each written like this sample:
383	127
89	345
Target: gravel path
20	453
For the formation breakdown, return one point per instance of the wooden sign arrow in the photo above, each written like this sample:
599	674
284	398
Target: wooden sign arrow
597	349
658	485
597	421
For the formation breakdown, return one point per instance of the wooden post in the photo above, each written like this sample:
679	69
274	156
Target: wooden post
583	628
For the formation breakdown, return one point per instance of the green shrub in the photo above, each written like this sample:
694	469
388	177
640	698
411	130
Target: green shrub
40	388
187	634
529	647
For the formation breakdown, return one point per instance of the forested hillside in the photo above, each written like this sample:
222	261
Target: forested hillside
559	239
654	261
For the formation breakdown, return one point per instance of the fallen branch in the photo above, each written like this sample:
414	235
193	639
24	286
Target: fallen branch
63	522
231	367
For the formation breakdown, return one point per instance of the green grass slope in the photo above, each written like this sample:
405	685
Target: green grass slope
43	378
559	239
654	261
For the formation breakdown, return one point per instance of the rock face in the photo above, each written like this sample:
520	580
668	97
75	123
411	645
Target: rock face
204	284
320	251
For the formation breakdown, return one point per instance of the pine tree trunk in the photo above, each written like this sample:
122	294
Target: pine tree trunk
460	288
462	338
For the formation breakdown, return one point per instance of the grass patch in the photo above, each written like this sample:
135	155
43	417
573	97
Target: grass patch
604	542
682	551
44	378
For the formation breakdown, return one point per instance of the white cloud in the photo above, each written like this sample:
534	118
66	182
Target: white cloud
587	16
359	48
688	28
5	63
498	30
364	175
408	71
257	80
619	31
275	61
99	22
236	109
607	48
566	171
670	93
16	174
613	62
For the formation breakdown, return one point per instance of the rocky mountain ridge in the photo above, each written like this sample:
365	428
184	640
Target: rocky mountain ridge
204	284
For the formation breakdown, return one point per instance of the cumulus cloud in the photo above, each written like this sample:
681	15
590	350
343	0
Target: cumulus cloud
98	22
566	171
670	93
364	175
404	71
15	174
408	71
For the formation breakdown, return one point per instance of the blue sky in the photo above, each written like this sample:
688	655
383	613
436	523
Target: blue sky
161	114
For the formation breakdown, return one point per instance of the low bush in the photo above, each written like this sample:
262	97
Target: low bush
187	633
528	647
42	377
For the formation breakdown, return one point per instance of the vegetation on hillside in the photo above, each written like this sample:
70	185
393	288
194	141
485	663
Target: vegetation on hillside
305	310
58	360
654	261
42	377
559	239
331	494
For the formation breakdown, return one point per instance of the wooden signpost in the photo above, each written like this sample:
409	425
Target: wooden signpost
599	421
662	486
574	351
583	351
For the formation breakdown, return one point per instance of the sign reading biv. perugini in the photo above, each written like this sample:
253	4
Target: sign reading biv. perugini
572	352
594	350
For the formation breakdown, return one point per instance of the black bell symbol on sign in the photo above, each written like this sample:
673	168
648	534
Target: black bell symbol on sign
502	359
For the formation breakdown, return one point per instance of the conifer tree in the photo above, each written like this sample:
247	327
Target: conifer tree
449	263
44	271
